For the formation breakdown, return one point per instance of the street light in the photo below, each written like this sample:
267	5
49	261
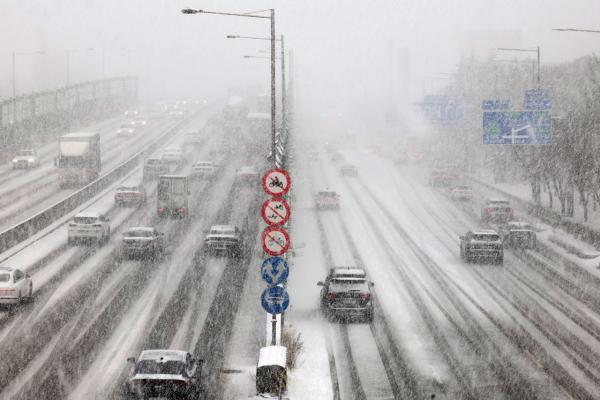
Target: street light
536	50
69	51
271	17
14	54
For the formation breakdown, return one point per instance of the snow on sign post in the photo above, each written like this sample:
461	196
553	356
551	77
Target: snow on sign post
276	182
275	240
275	211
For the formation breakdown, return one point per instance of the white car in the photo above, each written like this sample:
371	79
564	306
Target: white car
126	130
172	155
204	170
327	200
15	286
26	158
89	226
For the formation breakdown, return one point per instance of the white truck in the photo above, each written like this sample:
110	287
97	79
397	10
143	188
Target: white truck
172	196
78	158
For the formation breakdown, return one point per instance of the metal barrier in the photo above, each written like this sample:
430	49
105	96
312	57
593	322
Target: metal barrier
23	230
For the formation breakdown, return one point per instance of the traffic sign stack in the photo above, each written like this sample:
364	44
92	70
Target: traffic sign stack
275	242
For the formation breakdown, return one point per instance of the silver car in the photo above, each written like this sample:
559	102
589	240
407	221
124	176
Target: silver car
15	286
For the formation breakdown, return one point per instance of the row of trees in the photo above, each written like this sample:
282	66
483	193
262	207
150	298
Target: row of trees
567	170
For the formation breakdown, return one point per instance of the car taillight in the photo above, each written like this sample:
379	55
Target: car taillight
487	210
365	296
160	210
181	211
331	296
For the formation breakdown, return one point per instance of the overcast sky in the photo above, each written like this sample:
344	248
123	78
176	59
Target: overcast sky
347	52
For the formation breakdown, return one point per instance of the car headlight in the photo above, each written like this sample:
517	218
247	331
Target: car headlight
14	160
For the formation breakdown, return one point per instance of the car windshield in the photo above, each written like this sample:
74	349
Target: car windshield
153	162
4	277
347	281
485	237
25	152
222	231
85	220
327	194
155	367
138	233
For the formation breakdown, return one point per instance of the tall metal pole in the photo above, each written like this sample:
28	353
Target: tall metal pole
538	66
68	66
273	115
14	88
103	64
283	90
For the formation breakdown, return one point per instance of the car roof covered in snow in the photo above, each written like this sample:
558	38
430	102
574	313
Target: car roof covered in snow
349	271
485	232
141	228
272	355
222	228
88	214
519	225
163	355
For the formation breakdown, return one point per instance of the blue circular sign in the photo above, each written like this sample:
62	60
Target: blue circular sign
275	300
274	270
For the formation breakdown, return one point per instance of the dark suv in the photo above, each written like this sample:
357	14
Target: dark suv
482	244
346	294
142	242
224	239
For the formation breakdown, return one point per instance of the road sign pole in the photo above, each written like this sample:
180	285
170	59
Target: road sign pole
273	329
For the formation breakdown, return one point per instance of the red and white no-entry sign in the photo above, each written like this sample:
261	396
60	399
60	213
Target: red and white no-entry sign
275	211
275	240
276	182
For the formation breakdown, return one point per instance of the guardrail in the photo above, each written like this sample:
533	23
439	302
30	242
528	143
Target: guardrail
551	217
25	229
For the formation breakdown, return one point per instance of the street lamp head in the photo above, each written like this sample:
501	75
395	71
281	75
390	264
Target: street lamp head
190	11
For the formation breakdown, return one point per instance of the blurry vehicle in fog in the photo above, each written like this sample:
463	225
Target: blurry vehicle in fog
131	113
193	138
349	170
171	374
440	178
126	130
204	170
142	242
78	159
346	293
139	122
130	196
88	227
153	168
461	193
16	286
327	200
337	157
176	113
518	234
483	244
26	158
221	147
172	196
496	210
224	240
172	155
247	175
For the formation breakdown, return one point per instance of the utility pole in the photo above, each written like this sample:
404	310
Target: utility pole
283	91
273	114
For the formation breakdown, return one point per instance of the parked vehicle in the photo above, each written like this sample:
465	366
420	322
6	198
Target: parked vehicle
172	195
247	175
518	234
346	293
126	130
440	178
153	168
461	193
25	159
497	211
172	155
327	200
142	242
16	286
482	244
349	170
79	158
204	170
224	239
173	374
89	227
130	196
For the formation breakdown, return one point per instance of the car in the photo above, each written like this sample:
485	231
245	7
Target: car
224	239
193	138
172	374
349	170
461	193
337	157
172	155
25	159
139	122
221	147
126	130
176	113
143	242
131	113
15	286
89	227
204	170
346	294
518	234
130	196
247	175
439	178
482	244
496	210
327	200
154	167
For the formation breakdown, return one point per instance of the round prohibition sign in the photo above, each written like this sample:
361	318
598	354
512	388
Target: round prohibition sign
276	182
275	240
275	211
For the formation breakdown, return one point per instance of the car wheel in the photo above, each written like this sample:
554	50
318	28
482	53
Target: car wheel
467	257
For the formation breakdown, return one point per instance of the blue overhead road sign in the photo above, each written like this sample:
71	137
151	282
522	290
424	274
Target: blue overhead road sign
275	300
497	104
537	99
274	270
517	127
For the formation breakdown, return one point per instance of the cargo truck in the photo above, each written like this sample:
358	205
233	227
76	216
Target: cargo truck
172	196
78	158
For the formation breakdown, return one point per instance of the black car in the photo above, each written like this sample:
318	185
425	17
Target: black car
346	294
142	242
482	244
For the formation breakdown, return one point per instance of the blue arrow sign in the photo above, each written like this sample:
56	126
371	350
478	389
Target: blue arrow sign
274	270
275	300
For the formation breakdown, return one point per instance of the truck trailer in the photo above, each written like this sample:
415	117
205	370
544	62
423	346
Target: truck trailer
172	196
78	159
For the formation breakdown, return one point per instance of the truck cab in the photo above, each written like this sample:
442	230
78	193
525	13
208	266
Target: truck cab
172	196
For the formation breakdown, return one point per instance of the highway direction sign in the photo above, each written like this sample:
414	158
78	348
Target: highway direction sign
275	240
274	270
517	127
276	182
537	99
275	211
496	104
275	300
